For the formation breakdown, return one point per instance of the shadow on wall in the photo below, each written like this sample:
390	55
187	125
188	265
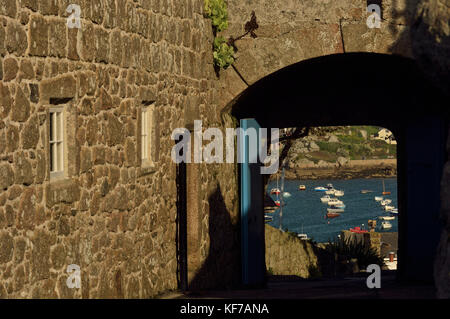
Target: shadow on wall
431	52
221	262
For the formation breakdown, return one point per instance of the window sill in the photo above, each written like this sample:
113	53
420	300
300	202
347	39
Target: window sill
56	177
146	169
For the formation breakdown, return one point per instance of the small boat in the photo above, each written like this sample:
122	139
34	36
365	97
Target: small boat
333	215
302	236
378	198
338	205
365	191
358	230
270	210
275	191
388	208
268	218
335	210
384	190
329	186
320	189
338	193
278	203
384	202
287	194
302	188
386	225
325	199
334	201
387	217
393	212
330	191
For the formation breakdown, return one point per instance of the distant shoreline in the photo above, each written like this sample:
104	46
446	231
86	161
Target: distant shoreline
385	168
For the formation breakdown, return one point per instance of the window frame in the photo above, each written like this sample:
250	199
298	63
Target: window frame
146	136
57	137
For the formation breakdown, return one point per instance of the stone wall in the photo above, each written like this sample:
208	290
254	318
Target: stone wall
288	255
110	216
294	31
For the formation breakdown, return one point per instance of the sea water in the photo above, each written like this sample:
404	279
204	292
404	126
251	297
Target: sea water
305	213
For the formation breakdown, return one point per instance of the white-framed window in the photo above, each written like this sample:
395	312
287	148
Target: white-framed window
146	135
57	142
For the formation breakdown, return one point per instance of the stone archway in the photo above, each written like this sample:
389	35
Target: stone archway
365	88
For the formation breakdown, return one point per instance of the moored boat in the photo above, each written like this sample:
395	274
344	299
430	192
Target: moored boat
393	212
275	191
335	210
330	191
335	201
333	215
268	218
325	199
387	217
385	202
378	198
358	230
302	188
365	191
320	189
338	193
287	194
388	208
386	225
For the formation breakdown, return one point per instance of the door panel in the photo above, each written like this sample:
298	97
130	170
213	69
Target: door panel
252	213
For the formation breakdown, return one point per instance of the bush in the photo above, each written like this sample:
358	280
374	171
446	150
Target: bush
355	249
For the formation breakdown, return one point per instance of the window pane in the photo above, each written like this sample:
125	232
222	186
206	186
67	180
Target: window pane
58	126
60	156
52	157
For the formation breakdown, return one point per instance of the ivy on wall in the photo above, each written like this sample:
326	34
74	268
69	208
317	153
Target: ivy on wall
223	52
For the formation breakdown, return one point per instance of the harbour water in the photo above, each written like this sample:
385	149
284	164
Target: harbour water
305	213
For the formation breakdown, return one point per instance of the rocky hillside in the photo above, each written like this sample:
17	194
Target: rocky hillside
336	146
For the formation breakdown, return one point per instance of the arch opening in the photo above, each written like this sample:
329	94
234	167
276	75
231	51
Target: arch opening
376	90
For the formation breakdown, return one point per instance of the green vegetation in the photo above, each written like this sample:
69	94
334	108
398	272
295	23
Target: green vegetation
223	53
216	10
348	142
349	249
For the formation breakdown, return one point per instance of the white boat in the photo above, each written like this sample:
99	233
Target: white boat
329	186
339	205
335	201
287	194
378	198
320	189
387	217
385	202
325	199
393	212
302	236
302	188
386	225
388	208
338	193
330	191
275	191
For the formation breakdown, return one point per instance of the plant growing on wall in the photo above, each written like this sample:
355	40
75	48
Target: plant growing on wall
223	53
223	49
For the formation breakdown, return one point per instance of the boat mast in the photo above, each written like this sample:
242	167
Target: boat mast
281	197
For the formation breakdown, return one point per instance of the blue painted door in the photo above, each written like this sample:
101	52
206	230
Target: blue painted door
252	210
